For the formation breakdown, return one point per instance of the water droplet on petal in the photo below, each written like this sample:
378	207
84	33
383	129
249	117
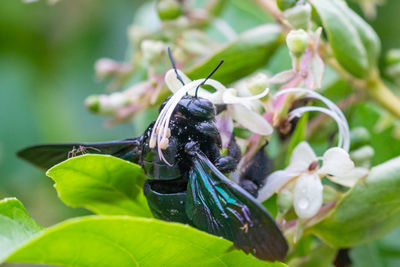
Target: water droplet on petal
303	203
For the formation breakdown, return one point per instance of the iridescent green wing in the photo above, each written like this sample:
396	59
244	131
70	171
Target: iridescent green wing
219	206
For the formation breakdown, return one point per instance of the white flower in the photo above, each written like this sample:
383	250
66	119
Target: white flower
305	172
307	71
152	50
240	108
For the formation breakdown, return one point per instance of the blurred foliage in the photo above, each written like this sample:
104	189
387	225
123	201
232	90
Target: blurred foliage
46	71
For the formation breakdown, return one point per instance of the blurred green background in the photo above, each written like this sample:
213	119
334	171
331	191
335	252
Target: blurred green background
47	53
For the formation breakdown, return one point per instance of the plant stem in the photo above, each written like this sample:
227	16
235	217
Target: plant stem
382	95
271	7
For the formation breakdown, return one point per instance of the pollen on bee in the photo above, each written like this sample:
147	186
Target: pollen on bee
163	143
160	130
153	141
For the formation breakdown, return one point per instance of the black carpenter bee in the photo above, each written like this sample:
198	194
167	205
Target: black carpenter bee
188	185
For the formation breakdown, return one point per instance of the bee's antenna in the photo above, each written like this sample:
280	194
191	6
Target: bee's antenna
209	75
174	66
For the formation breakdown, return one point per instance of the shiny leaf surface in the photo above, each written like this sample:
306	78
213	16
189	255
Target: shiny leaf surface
16	226
126	241
250	51
354	43
104	184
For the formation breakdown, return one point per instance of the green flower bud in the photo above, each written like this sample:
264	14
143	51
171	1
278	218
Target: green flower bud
107	105
359	136
299	16
285	201
257	83
393	65
393	56
285	4
92	103
362	155
393	71
297	41
169	9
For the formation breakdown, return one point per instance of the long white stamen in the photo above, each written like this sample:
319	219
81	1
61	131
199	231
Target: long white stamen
344	136
344	139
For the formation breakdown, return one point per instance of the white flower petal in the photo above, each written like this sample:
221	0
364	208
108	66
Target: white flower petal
307	195
317	69
336	162
250	119
274	182
301	158
230	97
172	81
350	178
225	127
215	98
282	77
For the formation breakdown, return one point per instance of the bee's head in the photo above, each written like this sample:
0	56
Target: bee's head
183	106
196	108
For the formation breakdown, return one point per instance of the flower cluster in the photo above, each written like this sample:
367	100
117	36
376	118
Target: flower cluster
303	175
249	104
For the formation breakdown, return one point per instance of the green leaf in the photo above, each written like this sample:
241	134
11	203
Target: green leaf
104	184
250	51
321	256
382	252
368	36
369	210
127	241
366	256
354	43
16	226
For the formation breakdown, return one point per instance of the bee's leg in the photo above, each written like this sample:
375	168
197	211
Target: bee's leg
253	176
229	162
234	149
